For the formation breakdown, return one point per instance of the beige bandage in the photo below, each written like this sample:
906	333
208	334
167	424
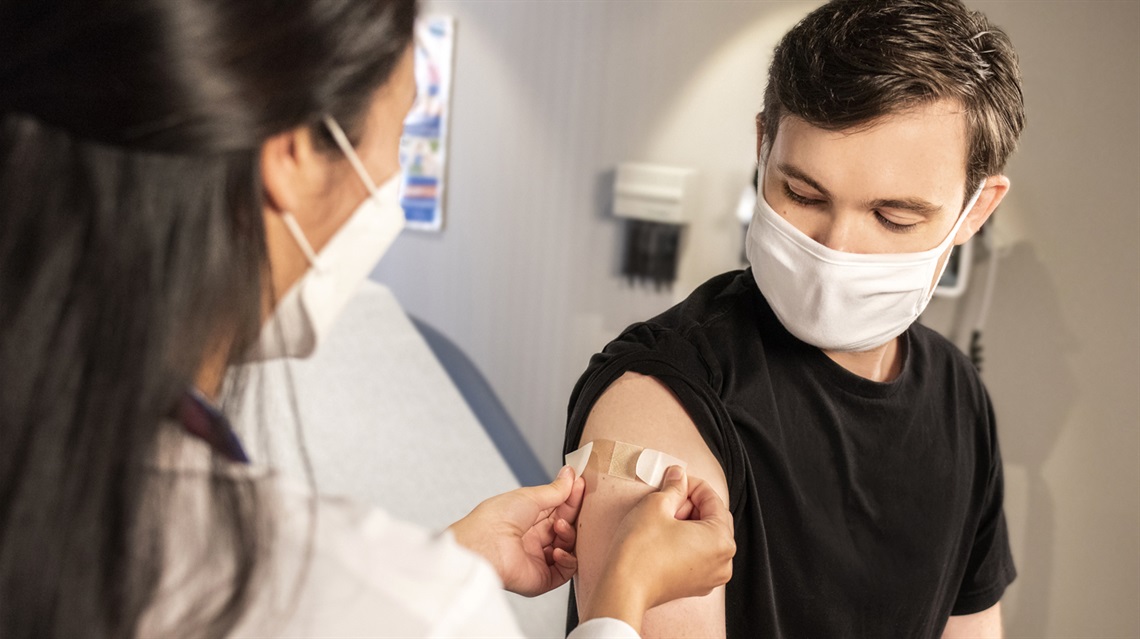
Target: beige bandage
626	461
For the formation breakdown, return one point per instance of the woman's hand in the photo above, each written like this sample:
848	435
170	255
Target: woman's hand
527	534
677	542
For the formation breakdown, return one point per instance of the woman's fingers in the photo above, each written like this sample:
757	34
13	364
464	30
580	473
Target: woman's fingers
565	564
675	487
565	535
553	495
568	510
686	511
708	505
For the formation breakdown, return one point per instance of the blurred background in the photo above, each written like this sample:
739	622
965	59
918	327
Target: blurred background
525	279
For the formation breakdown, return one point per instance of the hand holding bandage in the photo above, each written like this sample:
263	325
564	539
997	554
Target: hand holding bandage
674	543
527	534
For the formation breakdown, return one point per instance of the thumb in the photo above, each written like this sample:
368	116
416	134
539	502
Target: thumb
675	486
552	494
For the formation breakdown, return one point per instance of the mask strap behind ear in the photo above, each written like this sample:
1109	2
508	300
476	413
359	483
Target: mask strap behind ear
349	152
950	240
299	237
970	205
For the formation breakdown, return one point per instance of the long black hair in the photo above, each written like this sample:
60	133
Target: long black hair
131	247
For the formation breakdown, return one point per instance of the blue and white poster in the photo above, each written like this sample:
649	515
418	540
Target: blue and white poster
423	149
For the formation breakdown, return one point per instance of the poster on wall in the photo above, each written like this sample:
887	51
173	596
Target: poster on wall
423	149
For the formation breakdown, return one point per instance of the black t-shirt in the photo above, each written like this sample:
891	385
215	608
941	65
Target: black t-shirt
862	509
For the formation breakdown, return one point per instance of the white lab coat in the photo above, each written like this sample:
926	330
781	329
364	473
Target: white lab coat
363	573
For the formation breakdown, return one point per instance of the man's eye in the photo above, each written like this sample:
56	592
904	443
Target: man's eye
894	226
799	199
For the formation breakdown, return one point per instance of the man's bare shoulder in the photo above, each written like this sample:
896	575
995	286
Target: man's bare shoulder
640	410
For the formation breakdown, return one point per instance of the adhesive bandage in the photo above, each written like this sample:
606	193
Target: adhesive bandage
626	461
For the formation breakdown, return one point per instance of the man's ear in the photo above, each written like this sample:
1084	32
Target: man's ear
993	192
288	169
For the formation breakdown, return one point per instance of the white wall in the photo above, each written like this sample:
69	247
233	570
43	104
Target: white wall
550	96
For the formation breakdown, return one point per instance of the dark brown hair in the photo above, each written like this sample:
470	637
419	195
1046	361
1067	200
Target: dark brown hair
851	62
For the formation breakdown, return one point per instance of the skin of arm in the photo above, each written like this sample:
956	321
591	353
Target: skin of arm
676	542
980	625
640	410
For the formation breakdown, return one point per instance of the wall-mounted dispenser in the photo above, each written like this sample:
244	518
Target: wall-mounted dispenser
657	202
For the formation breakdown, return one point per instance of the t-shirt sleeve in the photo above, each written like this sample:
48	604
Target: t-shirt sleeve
684	367
680	365
990	568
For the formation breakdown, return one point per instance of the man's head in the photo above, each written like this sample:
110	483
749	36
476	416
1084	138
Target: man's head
864	90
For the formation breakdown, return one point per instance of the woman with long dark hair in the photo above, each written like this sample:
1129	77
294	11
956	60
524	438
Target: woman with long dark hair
173	174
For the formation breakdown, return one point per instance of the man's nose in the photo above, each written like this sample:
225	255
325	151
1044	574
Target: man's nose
837	232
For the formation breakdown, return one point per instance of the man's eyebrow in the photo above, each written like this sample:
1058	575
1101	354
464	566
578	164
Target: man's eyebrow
796	174
912	204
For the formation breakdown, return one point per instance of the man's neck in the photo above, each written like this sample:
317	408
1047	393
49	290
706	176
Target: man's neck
882	364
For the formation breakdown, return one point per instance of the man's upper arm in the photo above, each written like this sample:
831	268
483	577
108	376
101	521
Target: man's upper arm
640	410
980	625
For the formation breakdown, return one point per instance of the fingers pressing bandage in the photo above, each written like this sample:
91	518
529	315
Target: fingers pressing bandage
626	461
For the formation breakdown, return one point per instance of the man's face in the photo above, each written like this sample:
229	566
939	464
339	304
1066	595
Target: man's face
895	187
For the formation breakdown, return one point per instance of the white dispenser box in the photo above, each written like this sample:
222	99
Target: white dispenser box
654	193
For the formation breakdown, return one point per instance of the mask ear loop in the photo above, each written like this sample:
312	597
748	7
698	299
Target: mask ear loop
954	231
346	148
966	211
299	237
349	152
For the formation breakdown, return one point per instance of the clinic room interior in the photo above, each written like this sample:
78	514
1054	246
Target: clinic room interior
558	111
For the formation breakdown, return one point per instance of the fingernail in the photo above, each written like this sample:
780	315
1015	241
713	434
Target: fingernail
674	473
565	472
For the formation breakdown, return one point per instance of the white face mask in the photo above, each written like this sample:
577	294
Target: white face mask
306	312
840	301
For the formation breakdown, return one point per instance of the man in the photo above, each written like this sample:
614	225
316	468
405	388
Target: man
857	450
